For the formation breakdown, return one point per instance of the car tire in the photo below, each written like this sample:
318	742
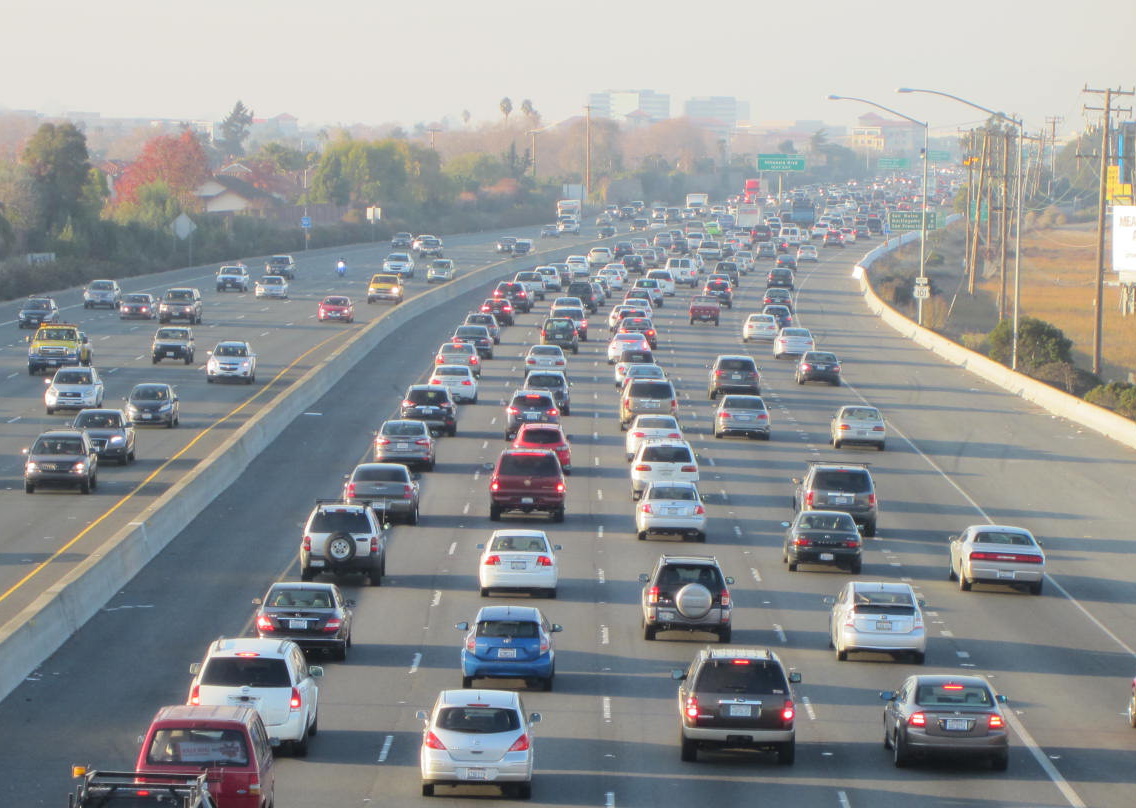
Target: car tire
787	753
649	632
467	682
431	464
558	515
86	486
427	789
483	591
524	791
547	684
1000	763
50	410
566	410
375	574
900	755
306	573
300	747
918	657
841	654
641	535
494	512
836	444
855	567
964	584
951	571
725	634
712	394
688	749
870	529
412	517
1036	587
29	488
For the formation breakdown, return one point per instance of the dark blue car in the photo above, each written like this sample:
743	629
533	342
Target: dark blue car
509	642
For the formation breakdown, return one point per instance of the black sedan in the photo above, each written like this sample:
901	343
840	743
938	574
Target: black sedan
110	432
823	537
314	616
818	366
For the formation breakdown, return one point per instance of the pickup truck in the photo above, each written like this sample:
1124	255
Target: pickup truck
705	309
57	345
233	277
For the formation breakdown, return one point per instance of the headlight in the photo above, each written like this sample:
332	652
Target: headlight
31	468
79	468
115	440
165	407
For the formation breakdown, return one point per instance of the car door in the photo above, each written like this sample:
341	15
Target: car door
304	682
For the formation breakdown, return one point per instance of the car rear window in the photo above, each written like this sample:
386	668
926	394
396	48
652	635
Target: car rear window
529	465
675	492
741	676
404	428
393	473
651	389
656	422
431	397
637	357
529	401
545	380
242	671
479	720
198	746
667	454
743	403
735	364
339	522
848	482
950	695
520	629
542	436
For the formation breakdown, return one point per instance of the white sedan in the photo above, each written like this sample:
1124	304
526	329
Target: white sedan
625	342
792	341
272	286
458	379
997	554
671	509
646	427
518	560
760	327
877	616
545	356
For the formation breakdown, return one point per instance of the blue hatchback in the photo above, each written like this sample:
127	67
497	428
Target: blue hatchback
509	642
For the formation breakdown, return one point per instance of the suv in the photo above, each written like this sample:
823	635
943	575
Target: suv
556	383
62	457
175	342
733	698
102	293
527	480
530	407
433	404
561	331
340	537
271	675
515	293
36	311
733	373
686	593
180	304
281	265
646	396
844	487
586	292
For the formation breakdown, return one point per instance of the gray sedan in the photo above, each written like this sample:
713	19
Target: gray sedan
407	442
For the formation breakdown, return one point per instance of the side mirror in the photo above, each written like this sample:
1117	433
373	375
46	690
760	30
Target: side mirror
47	381
257	602
794	678
784	524
952	538
422	715
887	695
678	674
859	528
644	577
796	480
557	627
829	599
349	602
1002	699
556	547
416	475
462	626
480	546
729	581
208	353
534	718
195	668
315	670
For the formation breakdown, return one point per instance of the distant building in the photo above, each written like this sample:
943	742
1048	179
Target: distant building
874	133
619	104
225	193
724	108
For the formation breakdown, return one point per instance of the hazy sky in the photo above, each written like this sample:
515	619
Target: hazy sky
345	61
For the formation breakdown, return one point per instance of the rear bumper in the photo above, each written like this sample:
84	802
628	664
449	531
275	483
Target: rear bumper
739	737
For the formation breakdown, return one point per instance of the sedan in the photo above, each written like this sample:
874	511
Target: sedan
792	342
877	616
997	554
489	321
389	488
110	432
138	306
153	403
336	307
509	642
946	715
272	286
818	366
314	616
459	353
488	728
672	508
648	427
640	325
807	252
458	379
623	342
549	437
778	296
857	423
545	356
518	560
742	415
823	537
408	442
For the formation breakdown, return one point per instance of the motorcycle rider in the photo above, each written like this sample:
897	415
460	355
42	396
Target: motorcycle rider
341	267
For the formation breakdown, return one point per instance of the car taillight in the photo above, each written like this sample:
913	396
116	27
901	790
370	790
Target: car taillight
689	469
295	702
643	467
521	744
513	411
806	367
691	707
877	429
263	623
195	696
349	490
543	561
333	624
809	499
560	488
306	544
871	499
725	597
382	442
699	510
492	561
473	360
432	741
494	486
674	403
646	508
845	426
374	545
640	435
435	381
719	373
543	333
851	543
801	541
917	720
439	360
788	712
653	594
406	402
996	722
552	411
420	442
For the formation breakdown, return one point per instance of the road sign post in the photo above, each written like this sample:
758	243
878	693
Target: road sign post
780	162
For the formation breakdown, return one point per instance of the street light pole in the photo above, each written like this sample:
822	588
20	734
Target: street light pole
923	216
1020	123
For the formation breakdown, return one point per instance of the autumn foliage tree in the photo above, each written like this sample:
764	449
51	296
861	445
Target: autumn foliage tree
177	161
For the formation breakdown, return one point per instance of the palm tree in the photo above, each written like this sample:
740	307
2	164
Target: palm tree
528	111
466	116
506	108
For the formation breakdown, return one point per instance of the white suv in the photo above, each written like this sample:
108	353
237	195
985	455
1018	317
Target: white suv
662	460
270	676
340	537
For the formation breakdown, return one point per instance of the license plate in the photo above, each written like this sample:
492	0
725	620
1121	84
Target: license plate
956	724
861	433
740	711
650	404
735	375
317	562
743	418
827	557
883	625
666	614
840	500
517	565
402	447
672	511
171	353
1002	575
506	653
298	624
146	416
531	416
526	500
475	774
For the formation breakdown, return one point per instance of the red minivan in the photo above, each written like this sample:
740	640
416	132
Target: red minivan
229	743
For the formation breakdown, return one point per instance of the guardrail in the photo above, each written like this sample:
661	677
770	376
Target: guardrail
1061	404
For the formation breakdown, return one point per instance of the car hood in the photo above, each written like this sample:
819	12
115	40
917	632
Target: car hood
56	458
107	432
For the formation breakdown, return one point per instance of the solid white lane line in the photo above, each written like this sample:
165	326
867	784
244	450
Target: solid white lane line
385	751
809	708
1062	784
415	662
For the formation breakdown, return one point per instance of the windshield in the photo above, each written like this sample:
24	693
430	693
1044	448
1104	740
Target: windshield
172	333
179	294
37	304
98	420
149	393
57	446
72	377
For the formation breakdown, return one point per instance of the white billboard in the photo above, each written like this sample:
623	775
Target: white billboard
1124	238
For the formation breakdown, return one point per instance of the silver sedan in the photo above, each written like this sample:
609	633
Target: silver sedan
997	554
856	423
671	509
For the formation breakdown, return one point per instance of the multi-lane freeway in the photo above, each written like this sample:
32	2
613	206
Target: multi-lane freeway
960	452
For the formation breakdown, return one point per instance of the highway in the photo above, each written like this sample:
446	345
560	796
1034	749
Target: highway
959	453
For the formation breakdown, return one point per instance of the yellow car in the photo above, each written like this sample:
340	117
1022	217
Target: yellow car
384	287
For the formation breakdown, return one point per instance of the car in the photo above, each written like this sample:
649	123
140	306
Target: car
818	366
533	282
35	311
274	286
766	249
883	616
613	276
733	373
858	423
626	341
271	675
780	276
545	356
402	241
640	325
568	224
523	246
102	293
459	353
390	488
792	342
182	303
509	642
284	265
807	252
560	331
489	727
635	372
488	320
760	327
946	715
405	441
174	342
399	263
441	270
629	357
527	480
823	537
385	286
231	359
476	335
341	538
646	396
529	406
546	436
552	278
782	314
846	487
849	235
73	389
686	593
720	288
647	427
138	306
62	458
518	561
737	698
549	231
833	238
600	257
671	508
516	293
576	314
662	460
153	403
778	296
501	308
432	404
235	276
110	432
586	292
997	554
427	245
315	616
336	307
458	379
742	415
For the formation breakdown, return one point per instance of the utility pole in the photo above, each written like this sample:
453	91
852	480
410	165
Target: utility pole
433	130
972	280
1052	121
587	156
970	197
533	133
1102	200
1004	222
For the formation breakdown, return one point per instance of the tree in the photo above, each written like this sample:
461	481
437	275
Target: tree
529	111
56	157
786	147
818	141
466	116
506	108
285	158
1039	343
179	161
234	130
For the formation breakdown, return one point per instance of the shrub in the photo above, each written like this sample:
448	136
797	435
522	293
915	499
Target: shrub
1039	343
1066	376
1119	397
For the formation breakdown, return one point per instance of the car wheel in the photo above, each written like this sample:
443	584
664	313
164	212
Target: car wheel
483	591
154	360
427	789
649	632
453	431
836	444
314	728
792	565
641	535
50	410
870	529
306	573
855	567
841	655
412	517
300	747
558	515
1000	763
918	658
712	394
880	446
566	410
899	752
787	753
1036	587
209	378
375	574
725	634
29	488
340	547
467	682
524	791
964	584
951	571
430	465
85	487
689	749
494	512
546	685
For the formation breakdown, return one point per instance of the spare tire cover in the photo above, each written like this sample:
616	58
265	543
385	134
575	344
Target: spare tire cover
694	601
340	547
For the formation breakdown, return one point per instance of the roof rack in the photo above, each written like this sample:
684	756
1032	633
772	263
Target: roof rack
837	463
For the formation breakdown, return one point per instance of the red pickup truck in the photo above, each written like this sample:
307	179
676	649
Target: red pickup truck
705	309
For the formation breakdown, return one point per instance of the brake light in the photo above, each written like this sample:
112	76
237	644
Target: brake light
641	435
333	625
492	561
560	488
432	741
645	508
264	624
382	442
952	686
374	545
996	721
513	411
845	426
543	561
877	429
1012	557
691	707
195	696
809	499
306	544
917	720
851	543
672	435
473	360
788	712
494	486
871	499
699	510
801	541
406	402
674	403
552	411
295	702
420	442
435	381
643	467
349	491
725	598
521	744
807	367
653	594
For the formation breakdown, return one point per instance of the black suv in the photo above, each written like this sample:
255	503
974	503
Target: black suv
846	487
556	383
686	593
733	373
561	331
530	406
180	304
64	458
586	291
478	336
515	293
174	342
434	405
737	698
